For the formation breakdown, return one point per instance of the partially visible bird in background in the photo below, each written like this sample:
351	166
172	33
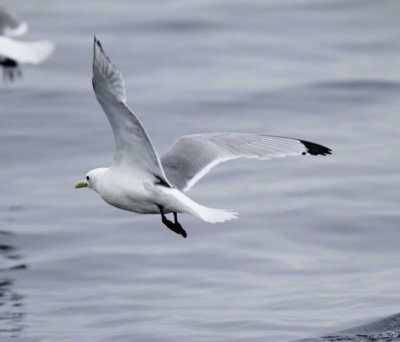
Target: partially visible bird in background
14	52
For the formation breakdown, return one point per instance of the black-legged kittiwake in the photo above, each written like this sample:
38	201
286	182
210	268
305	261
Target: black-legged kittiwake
139	181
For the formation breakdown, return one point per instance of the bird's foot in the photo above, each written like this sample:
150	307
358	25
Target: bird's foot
181	230
178	225
11	69
175	227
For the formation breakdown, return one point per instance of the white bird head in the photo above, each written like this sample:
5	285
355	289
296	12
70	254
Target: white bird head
91	179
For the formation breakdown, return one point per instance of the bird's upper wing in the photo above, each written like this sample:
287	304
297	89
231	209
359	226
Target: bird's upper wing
10	25
25	52
134	149
191	157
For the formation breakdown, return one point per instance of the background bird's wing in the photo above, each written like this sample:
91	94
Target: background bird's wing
133	146
25	52
191	157
11	25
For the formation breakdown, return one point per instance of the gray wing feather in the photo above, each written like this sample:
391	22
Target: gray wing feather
10	24
133	146
193	156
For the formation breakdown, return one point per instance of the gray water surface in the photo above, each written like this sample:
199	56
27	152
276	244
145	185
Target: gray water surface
316	245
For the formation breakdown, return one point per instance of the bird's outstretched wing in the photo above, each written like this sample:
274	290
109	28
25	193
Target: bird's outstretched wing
134	149
191	157
11	25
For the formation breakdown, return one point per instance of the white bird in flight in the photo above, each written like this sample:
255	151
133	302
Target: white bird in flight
14	52
139	181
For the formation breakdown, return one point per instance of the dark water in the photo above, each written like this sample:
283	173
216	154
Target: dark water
316	247
383	330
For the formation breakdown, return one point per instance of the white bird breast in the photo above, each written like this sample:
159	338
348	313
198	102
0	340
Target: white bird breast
127	190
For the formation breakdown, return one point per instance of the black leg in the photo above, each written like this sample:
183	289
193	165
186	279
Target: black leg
183	232
11	69
175	227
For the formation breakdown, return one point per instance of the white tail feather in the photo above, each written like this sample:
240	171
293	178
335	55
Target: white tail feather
175	200
212	215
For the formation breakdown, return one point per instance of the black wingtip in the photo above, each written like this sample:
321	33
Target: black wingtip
97	42
315	149
100	46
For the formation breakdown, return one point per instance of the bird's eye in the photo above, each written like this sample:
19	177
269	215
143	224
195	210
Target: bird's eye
87	178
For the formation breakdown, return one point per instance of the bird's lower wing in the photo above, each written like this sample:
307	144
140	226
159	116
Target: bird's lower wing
134	149
25	52
191	157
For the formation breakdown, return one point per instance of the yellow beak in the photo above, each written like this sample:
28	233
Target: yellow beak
81	185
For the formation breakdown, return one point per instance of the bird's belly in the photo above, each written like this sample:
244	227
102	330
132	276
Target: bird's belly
141	207
132	199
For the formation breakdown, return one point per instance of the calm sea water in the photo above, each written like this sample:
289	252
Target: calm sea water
316	247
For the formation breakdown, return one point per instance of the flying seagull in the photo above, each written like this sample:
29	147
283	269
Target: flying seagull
14	52
139	181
